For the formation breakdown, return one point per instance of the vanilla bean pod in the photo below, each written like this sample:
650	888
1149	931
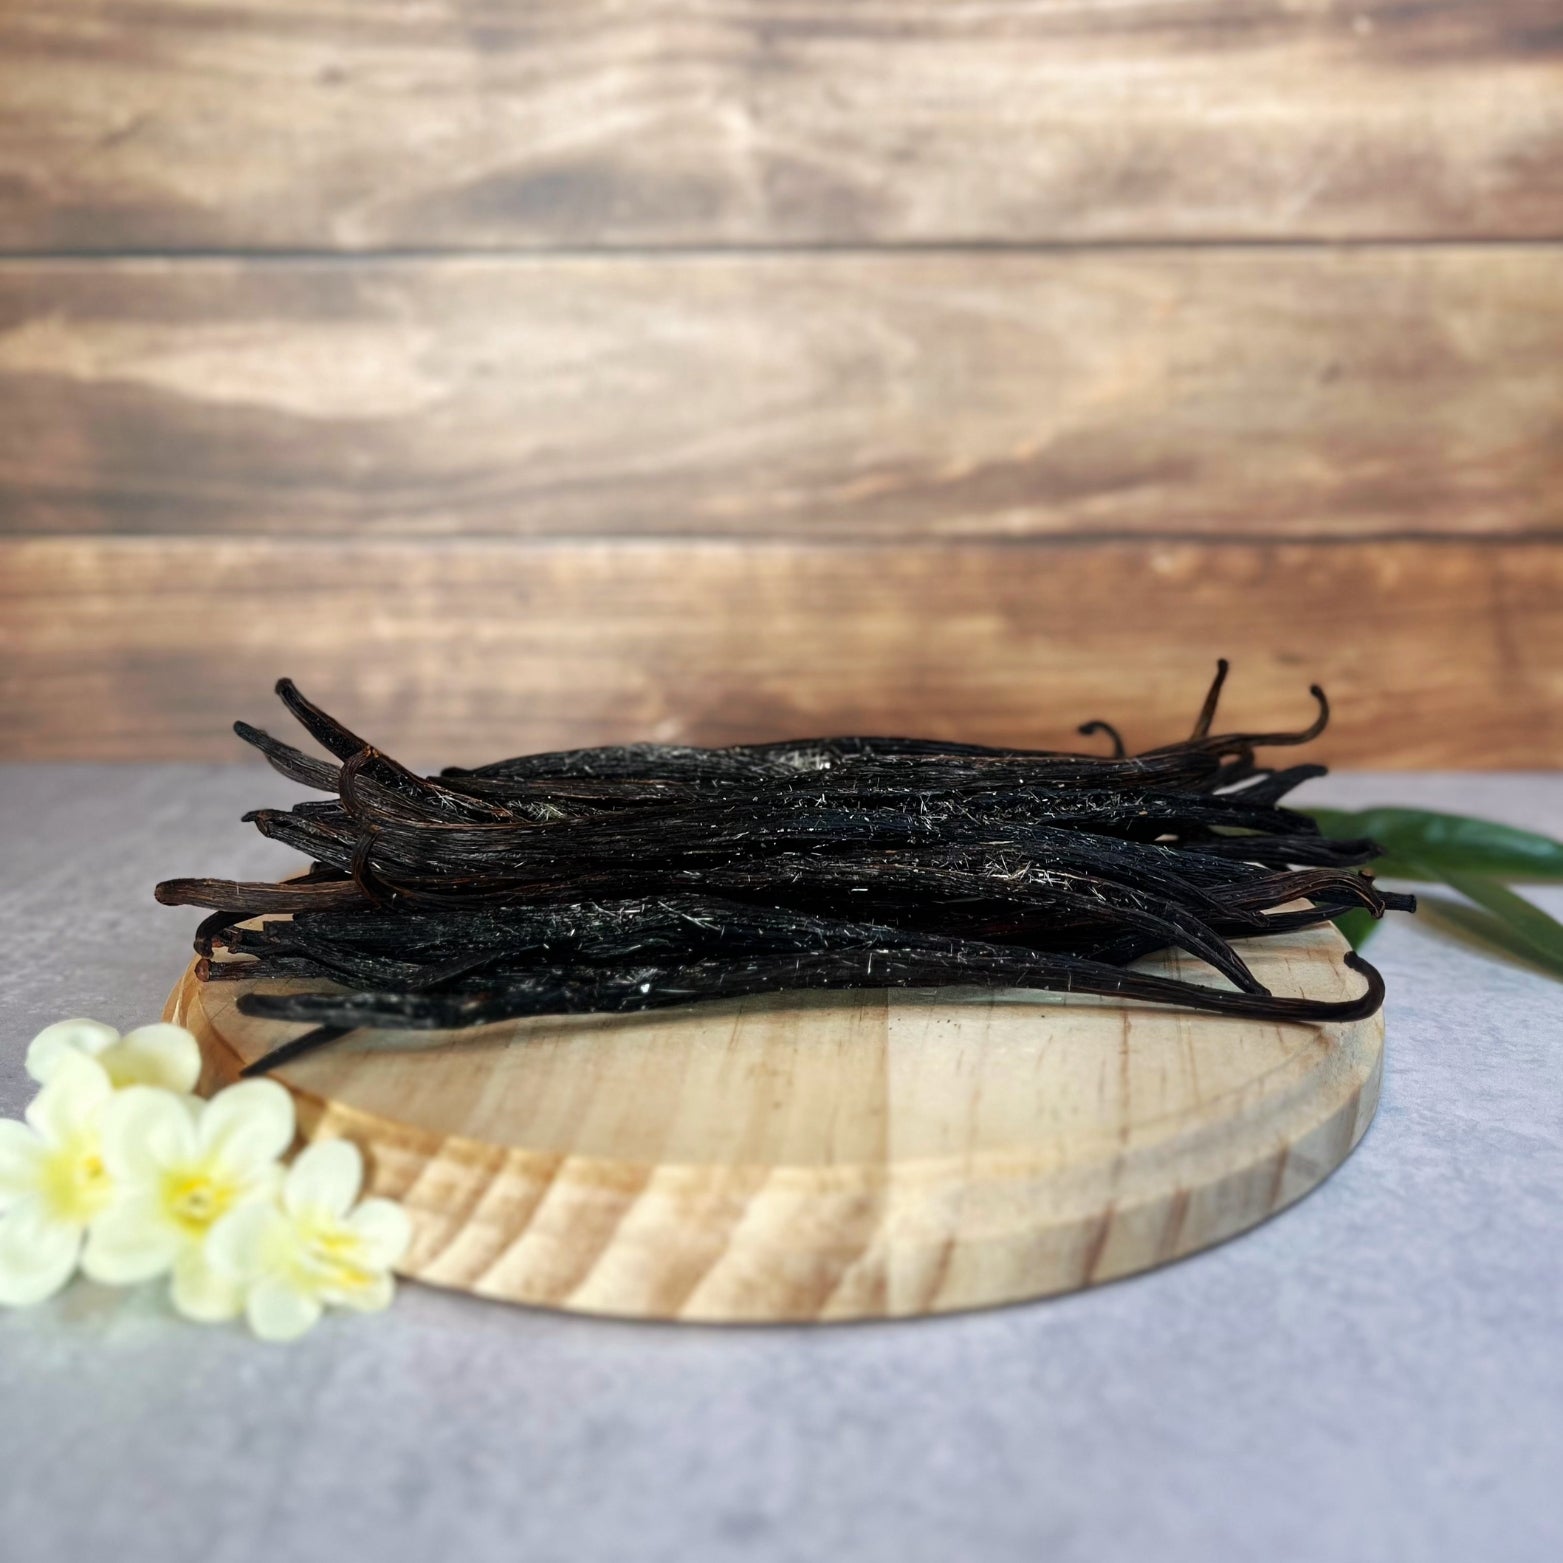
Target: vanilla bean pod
634	989
636	876
416	950
1167	923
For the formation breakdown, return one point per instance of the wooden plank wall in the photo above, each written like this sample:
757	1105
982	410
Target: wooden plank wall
519	375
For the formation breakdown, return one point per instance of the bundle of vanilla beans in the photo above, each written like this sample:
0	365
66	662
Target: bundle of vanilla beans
629	878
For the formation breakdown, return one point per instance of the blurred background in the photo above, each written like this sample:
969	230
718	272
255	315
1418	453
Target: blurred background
526	375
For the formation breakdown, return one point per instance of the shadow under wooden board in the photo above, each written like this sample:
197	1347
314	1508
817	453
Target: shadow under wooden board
832	1156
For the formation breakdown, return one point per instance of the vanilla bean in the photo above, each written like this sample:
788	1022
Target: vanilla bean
644	875
630	990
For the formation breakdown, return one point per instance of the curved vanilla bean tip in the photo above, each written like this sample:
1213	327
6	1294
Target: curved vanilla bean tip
1087	729
325	730
293	763
317	1037
1207	711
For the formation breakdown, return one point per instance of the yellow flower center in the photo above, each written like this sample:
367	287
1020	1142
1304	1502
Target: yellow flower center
195	1200
332	1256
75	1182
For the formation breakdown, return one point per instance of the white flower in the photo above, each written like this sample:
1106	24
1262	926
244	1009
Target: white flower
162	1055
179	1166
313	1250
53	1181
120	1168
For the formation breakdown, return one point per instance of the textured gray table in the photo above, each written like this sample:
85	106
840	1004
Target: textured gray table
1376	1374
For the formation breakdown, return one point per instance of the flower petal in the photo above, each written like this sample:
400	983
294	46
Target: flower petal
162	1055
381	1225
324	1179
203	1293
131	1241
277	1311
249	1241
37	1255
66	1036
371	1297
248	1125
145	1132
21	1152
69	1105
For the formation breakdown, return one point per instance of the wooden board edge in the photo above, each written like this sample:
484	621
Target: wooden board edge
472	1204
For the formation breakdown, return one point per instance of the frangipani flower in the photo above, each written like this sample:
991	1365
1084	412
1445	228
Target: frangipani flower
120	1168
161	1055
53	1181
314	1248
179	1166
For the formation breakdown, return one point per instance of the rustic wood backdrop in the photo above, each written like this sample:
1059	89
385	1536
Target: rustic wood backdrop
519	374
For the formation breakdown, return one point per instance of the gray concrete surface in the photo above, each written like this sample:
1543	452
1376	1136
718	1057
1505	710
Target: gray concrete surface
1375	1375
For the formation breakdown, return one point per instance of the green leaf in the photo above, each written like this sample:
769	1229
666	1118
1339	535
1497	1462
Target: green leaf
1472	924
1422	844
1359	925
1538	931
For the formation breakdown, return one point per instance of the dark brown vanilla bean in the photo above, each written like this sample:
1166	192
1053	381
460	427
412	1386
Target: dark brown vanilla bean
560	991
293	763
291	895
643	875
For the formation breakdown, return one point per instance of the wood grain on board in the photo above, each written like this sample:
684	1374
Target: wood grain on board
458	123
833	1156
1435	653
1407	389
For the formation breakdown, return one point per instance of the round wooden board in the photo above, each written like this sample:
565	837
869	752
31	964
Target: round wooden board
832	1156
